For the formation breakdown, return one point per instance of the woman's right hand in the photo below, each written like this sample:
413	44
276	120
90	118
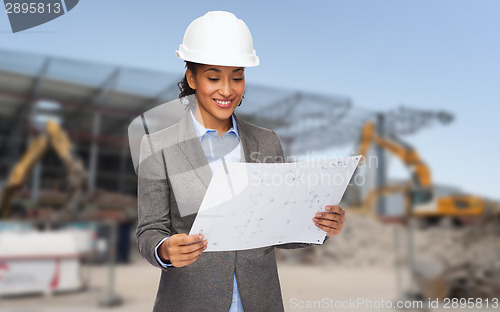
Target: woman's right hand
182	249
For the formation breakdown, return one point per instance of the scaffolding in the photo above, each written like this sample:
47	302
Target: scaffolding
95	103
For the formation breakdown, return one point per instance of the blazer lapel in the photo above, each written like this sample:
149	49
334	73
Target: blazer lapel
249	142
189	143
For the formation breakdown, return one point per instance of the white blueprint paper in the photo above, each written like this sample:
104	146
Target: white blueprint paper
260	204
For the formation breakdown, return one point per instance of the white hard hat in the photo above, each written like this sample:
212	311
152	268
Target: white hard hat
218	38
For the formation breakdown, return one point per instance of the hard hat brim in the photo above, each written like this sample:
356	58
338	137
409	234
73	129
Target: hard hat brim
249	60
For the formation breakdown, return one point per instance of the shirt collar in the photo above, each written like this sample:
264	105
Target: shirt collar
201	130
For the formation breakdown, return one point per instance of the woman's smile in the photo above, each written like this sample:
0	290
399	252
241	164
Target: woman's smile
224	103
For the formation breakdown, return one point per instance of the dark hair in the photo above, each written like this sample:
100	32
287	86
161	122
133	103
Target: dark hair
183	85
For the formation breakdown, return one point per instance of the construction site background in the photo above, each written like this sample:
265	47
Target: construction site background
422	211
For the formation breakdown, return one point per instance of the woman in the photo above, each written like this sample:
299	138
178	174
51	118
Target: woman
217	48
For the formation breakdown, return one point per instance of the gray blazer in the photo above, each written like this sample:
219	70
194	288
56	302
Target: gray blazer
171	186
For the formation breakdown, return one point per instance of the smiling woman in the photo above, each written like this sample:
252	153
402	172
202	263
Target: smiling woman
208	135
218	89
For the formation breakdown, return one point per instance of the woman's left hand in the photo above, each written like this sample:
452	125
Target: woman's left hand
331	221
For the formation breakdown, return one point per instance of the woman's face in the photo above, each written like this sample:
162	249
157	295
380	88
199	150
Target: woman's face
219	89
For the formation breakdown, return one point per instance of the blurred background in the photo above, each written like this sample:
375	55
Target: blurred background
411	85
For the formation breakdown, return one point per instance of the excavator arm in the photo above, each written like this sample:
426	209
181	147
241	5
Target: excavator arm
21	171
420	191
53	136
421	173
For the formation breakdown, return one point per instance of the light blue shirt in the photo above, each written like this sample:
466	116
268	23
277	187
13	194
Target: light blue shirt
216	147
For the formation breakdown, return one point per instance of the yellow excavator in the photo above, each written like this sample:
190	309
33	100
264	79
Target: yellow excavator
420	200
57	138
